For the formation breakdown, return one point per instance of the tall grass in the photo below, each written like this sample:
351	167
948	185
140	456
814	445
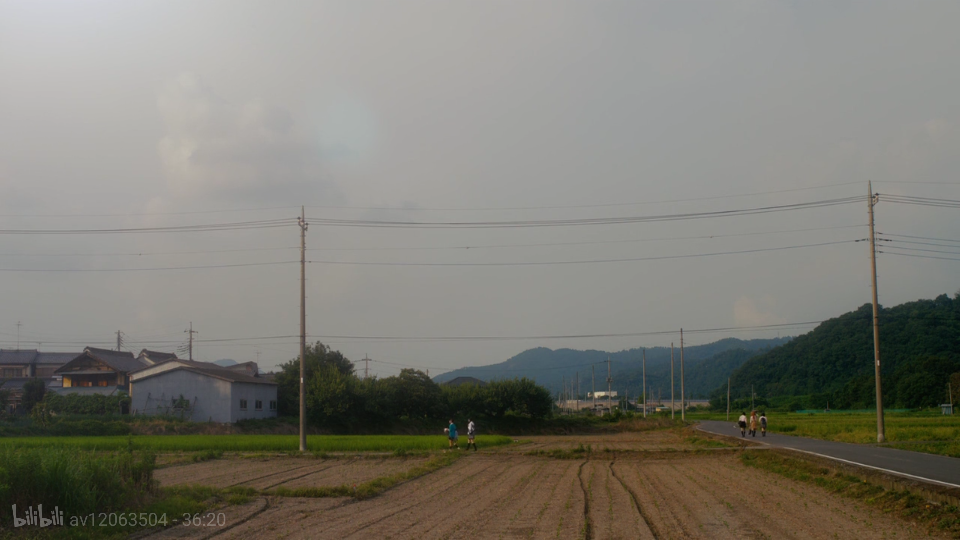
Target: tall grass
246	443
78	482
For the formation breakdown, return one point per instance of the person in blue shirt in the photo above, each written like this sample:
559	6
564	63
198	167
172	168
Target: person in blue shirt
452	434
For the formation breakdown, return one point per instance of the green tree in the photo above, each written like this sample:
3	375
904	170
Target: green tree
33	391
317	356
414	395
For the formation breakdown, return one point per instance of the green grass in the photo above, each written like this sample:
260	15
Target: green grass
247	443
862	427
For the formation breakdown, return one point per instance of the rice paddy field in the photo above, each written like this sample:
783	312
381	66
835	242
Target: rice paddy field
248	443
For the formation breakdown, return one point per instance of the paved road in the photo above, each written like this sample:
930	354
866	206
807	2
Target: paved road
915	465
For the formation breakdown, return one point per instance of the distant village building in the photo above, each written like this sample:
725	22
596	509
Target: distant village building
17	366
202	392
99	371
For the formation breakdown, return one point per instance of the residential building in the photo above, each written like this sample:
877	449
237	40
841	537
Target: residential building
100	370
203	392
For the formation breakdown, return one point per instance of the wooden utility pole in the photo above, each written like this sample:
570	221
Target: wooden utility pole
609	388
728	399
644	383
673	405
871	201
683	395
593	384
578	393
191	332
302	221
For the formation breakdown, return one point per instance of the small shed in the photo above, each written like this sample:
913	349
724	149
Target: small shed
946	408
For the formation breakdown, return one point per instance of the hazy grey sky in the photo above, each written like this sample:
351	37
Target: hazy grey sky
129	114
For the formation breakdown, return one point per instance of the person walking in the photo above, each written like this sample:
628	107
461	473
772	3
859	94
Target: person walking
452	435
763	424
742	422
471	434
753	423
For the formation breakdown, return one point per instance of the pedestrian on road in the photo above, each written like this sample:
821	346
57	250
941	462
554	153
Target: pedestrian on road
471	434
742	422
753	423
763	424
452	435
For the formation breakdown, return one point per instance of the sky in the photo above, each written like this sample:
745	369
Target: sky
152	114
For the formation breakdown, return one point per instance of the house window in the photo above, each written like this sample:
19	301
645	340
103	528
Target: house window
243	404
273	405
258	405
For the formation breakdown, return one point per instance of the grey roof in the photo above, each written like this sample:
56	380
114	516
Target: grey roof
55	357
17	356
212	370
156	357
119	360
32	356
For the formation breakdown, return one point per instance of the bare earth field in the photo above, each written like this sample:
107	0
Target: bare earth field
507	494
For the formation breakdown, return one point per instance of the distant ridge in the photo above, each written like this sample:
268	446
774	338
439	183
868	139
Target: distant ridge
226	362
550	367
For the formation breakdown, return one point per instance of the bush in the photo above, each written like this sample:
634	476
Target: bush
78	482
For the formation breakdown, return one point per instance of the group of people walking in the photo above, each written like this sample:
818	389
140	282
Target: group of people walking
451	431
752	423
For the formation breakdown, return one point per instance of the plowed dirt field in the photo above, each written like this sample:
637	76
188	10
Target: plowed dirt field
509	494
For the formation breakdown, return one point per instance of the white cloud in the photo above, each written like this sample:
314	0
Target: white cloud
747	312
212	147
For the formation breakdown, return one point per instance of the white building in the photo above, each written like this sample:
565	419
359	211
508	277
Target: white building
202	392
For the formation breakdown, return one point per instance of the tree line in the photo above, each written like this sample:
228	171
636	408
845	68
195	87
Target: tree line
337	399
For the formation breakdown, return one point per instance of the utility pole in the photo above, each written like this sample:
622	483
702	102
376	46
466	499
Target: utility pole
644	383
366	366
119	341
191	332
19	324
593	384
673	405
871	201
728	399
302	221
578	392
609	388
683	395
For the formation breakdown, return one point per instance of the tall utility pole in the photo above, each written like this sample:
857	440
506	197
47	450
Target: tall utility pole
366	366
19	324
871	201
578	392
190	331
728	399
644	383
593	386
302	221
673	405
609	388
119	341
683	395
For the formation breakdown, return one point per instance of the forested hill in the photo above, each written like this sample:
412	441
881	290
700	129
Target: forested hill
919	349
551	367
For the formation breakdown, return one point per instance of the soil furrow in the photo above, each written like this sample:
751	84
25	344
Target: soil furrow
636	503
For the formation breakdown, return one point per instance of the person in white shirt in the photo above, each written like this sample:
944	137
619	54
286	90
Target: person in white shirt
742	422
471	435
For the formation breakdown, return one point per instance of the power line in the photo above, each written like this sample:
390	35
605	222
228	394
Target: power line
919	237
581	222
208	227
155	269
147	254
917	256
591	261
575	206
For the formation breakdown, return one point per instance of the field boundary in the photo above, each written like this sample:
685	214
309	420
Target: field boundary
933	490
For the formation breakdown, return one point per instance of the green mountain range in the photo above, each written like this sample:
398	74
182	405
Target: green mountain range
705	366
919	350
